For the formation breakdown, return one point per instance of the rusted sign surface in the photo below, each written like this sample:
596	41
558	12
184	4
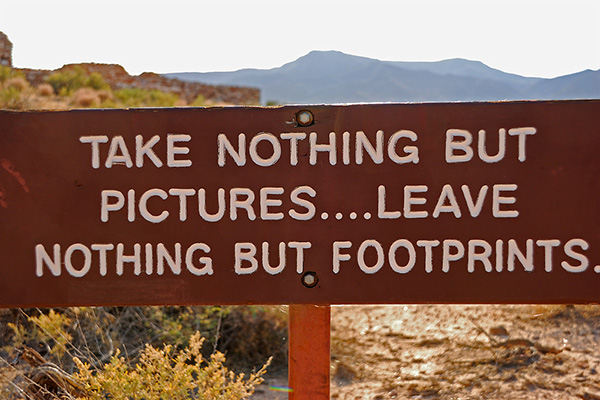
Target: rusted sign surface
460	203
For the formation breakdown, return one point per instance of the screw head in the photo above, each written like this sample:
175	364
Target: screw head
309	279
304	118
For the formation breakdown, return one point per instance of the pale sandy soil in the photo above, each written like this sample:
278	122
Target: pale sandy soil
461	352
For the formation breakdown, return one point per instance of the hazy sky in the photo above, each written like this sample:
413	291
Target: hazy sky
529	37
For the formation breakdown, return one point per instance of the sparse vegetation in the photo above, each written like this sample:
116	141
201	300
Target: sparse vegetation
75	88
125	344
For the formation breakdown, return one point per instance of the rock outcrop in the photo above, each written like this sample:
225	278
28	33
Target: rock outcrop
5	51
116	76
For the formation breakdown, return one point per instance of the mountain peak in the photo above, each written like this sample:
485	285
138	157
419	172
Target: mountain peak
330	76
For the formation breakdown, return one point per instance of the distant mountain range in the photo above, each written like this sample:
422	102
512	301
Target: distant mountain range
335	77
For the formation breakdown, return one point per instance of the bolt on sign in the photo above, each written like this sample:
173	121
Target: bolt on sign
389	203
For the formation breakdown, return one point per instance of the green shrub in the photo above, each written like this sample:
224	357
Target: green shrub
4	73
199	101
96	81
164	374
11	98
247	334
8	73
49	330
67	81
136	97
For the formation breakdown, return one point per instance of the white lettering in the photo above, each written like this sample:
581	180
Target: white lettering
275	156
548	245
448	256
265	259
245	252
300	247
173	150
42	257
381	211
142	149
314	148
463	145
144	206
246	204
94	141
266	202
412	256
522	134
363	143
337	256
525	259
207	268
409	201
447	193
497	200
583	260
484	256
105	206
293	137
411	151
361	256
118	144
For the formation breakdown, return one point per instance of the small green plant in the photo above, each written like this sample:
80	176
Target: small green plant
164	374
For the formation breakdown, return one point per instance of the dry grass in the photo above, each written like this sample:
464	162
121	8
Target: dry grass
105	95
85	98
18	82
45	90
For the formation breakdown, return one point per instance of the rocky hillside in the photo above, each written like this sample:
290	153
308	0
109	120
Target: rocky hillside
116	76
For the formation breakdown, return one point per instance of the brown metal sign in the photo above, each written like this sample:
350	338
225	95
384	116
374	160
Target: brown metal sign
409	203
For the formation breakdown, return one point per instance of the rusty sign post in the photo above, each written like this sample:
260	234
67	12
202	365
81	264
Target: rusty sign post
315	205
309	354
